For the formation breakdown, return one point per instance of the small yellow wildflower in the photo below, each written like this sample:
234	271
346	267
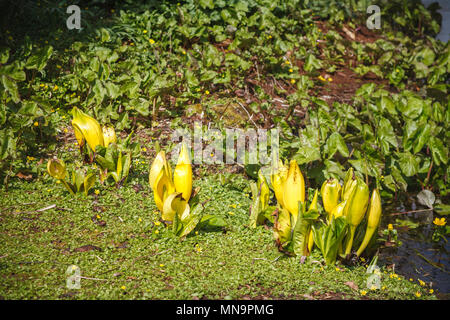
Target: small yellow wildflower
58	66
290	70
206	92
144	149
440	222
330	79
140	220
144	32
363	292
337	269
156	231
269	37
411	279
157	223
233	206
36	123
321	78
431	291
161	265
422	283
132	44
212	154
63	117
58	181
362	259
373	287
41	85
196	233
231	213
97	191
65	130
390	227
151	41
199	249
292	81
98	216
418	295
123	287
184	52
383	288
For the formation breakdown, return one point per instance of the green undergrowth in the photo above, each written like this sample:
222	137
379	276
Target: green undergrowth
123	253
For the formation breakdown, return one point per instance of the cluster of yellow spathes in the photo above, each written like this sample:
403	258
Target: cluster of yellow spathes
351	200
289	188
172	192
87	129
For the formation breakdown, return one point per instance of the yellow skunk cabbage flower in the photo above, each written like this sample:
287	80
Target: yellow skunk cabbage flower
86	128
355	209
337	211
109	135
56	168
294	189
158	164
277	178
174	204
264	190
373	220
182	175
162	188
282	226
312	206
330	191
349	184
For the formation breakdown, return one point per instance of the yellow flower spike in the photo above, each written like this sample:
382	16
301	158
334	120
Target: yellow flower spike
109	135
56	168
282	226
355	209
330	192
160	163
182	175
278	178
373	220
294	189
263	189
390	227
338	211
86	128
174	204
162	188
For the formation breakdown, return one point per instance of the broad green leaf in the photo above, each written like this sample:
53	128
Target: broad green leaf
408	163
39	60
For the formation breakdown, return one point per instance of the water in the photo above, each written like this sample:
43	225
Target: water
444	34
416	242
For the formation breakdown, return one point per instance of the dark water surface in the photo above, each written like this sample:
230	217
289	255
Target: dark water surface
411	257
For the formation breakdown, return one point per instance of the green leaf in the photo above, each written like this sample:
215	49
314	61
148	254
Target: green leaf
329	237
438	151
4	55
426	198
336	143
408	163
312	63
11	87
39	60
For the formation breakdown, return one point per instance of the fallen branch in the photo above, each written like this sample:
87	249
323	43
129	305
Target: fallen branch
412	211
